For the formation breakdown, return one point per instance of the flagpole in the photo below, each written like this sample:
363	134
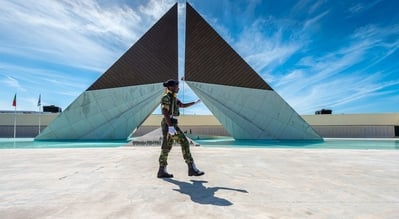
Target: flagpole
39	103
39	119
15	121
14	104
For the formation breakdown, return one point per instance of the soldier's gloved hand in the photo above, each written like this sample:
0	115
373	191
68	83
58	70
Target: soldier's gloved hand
172	130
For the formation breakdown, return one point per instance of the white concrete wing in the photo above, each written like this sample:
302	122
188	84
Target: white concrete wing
105	114
248	113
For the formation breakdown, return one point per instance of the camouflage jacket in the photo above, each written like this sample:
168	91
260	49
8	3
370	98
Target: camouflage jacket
170	103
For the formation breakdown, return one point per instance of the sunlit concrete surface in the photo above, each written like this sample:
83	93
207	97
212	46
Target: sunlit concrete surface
239	183
105	114
269	117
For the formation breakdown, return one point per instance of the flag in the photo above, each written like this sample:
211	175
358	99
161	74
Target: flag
39	102
14	102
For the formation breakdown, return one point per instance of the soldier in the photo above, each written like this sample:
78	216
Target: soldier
171	131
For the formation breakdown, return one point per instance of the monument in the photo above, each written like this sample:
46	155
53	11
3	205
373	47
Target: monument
130	90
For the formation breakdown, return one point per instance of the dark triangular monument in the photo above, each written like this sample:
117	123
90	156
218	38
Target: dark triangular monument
127	93
218	63
240	99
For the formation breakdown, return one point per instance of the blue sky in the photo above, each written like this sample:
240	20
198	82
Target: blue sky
341	55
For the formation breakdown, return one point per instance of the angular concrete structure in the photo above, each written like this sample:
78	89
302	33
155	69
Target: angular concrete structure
127	93
240	99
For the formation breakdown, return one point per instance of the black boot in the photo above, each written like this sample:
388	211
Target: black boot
163	173
193	171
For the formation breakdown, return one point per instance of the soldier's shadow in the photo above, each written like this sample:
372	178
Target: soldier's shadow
201	194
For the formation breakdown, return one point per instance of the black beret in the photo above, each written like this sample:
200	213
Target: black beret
170	83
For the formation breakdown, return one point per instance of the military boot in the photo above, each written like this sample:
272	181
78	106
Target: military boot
193	171
163	173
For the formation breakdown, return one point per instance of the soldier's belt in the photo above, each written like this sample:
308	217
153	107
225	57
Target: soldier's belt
173	121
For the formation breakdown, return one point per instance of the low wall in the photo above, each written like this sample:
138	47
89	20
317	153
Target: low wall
27	123
328	126
22	131
353	131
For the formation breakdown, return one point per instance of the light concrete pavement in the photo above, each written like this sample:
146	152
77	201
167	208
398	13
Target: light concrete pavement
239	183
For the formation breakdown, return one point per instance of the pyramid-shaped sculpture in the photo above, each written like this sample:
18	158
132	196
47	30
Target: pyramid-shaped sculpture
239	98
127	93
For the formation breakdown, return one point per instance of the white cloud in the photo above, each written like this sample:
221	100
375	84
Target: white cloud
68	40
261	50
325	82
38	77
155	8
315	20
12	83
84	34
306	6
360	7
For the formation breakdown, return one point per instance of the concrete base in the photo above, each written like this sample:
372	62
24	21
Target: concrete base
239	183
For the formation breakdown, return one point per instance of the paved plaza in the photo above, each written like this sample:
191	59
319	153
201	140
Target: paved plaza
239	183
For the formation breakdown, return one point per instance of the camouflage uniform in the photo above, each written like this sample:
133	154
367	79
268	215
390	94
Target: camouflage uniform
170	102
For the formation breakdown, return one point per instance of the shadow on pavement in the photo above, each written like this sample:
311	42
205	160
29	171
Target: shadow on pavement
201	194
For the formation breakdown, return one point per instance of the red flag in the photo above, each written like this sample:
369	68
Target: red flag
14	102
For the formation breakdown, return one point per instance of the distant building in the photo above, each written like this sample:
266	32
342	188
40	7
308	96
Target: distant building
52	109
323	111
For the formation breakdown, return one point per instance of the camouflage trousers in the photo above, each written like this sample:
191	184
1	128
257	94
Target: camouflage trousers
167	143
